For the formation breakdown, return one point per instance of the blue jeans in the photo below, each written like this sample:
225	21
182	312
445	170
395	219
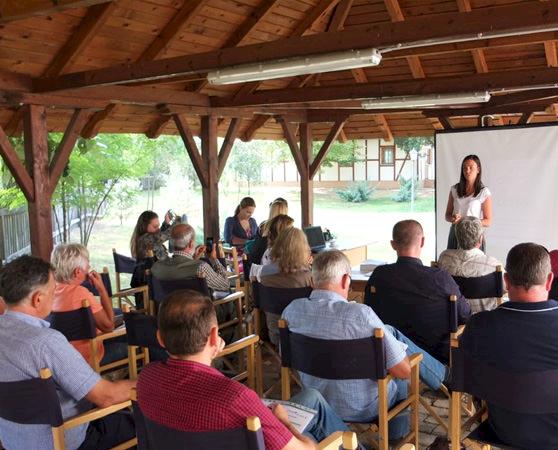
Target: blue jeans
432	373
326	421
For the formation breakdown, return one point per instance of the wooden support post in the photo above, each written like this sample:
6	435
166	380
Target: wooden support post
37	162
306	182
210	192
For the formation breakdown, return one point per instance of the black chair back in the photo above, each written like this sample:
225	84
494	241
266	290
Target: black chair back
106	282
123	264
141	330
162	288
74	325
275	300
334	359
553	294
491	285
30	402
525	393
153	436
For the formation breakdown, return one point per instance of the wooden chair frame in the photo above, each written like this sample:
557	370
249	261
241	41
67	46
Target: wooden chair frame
89	416
231	257
384	413
346	440
124	294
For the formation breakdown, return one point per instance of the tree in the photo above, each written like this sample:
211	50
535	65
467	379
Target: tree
246	160
413	142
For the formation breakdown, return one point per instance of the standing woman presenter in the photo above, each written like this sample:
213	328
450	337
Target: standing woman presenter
469	197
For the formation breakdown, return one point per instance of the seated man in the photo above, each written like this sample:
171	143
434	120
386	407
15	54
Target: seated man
517	337
186	262
414	298
469	260
187	394
327	314
27	345
71	265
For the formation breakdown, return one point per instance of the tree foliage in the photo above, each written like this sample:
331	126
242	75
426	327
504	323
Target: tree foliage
414	142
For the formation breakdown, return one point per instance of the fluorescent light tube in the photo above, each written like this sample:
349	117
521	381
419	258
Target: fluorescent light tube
328	62
415	101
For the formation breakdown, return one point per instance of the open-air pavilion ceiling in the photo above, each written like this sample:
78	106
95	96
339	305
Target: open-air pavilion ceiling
132	64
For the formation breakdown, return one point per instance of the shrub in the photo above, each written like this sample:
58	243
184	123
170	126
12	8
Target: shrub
356	192
404	193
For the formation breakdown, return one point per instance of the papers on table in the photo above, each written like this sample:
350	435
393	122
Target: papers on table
300	416
369	265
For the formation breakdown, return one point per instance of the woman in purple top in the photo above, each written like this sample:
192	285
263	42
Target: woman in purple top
242	226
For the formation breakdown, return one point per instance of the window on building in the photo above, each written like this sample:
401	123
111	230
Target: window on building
387	156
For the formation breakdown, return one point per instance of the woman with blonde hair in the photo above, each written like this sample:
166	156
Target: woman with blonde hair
290	268
260	244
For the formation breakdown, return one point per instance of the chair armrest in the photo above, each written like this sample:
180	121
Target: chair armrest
347	439
455	336
239	345
415	358
130	291
232	276
95	414
229	298
120	331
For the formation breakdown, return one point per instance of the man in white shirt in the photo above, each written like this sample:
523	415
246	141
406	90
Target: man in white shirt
469	260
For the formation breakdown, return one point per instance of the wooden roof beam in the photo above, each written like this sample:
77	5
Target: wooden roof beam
478	55
387	135
14	127
94	19
445	122
502	18
340	15
323	7
18	10
93	126
550	53
156	128
525	118
290	136
180	20
16	167
228	144
191	148
448	85
324	150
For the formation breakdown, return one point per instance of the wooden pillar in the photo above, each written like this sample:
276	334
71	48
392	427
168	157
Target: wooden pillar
37	163
306	182
210	191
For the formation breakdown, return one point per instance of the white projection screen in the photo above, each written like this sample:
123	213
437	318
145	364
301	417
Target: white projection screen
520	167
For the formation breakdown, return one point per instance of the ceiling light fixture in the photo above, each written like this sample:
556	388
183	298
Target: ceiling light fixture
327	62
416	101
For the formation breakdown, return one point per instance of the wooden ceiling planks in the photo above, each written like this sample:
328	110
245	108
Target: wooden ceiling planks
30	45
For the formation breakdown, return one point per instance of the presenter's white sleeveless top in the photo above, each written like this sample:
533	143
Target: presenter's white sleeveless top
469	206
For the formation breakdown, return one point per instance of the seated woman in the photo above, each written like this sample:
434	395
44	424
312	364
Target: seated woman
148	235
275	226
71	264
290	268
260	244
242	226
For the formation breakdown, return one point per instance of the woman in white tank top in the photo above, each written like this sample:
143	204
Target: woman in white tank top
469	197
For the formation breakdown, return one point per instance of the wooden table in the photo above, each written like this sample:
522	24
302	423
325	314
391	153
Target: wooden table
358	284
354	250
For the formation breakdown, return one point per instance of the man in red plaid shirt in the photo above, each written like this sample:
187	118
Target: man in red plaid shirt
186	393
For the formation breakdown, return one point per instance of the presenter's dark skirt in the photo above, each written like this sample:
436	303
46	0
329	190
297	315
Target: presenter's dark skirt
452	239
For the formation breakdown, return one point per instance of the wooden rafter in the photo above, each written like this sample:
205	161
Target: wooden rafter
478	55
323	7
445	122
15	125
324	150
259	14
503	18
449	85
396	15
387	135
227	145
11	10
550	53
524	119
94	19
340	15
254	126
158	126
64	149
290	137
16	167
180	20
91	129
191	148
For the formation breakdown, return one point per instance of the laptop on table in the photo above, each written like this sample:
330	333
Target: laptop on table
315	238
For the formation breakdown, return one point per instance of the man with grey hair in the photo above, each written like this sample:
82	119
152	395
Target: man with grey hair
327	314
469	260
520	337
186	260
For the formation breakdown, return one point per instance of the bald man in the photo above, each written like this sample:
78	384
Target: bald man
414	298
186	260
